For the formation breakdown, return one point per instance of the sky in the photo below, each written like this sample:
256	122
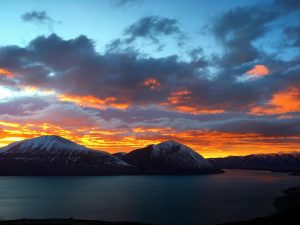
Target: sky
222	77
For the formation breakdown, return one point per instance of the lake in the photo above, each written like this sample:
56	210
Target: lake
205	200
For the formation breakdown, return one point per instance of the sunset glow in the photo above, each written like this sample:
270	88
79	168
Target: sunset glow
225	83
208	143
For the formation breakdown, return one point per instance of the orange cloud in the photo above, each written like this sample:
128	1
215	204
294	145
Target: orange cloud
6	73
283	102
151	83
180	101
197	111
93	102
259	71
179	97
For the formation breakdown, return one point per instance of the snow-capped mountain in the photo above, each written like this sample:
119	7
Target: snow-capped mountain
54	155
45	144
169	157
272	162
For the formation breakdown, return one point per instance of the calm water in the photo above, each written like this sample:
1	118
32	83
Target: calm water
155	199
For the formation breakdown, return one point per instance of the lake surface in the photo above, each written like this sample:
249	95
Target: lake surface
205	200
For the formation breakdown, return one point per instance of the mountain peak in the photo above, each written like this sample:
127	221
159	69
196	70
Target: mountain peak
50	138
170	146
55	155
169	157
170	142
47	143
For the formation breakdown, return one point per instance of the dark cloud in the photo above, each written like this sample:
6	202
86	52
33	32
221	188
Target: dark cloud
122	3
293	34
80	70
288	5
264	126
269	127
67	116
39	17
73	67
152	28
22	106
238	28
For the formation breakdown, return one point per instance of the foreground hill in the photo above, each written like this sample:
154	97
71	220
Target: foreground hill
54	155
287	162
169	157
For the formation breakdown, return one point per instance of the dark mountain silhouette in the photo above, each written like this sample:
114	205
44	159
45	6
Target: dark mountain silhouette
285	162
169	157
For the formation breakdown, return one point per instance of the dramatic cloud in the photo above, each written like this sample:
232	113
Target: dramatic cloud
238	28
237	97
74	70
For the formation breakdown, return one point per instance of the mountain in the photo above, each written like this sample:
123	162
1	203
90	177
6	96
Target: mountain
54	155
169	157
289	162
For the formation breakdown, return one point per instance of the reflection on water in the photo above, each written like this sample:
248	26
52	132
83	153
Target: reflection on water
174	200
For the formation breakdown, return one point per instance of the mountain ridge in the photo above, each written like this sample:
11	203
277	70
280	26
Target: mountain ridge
281	162
54	155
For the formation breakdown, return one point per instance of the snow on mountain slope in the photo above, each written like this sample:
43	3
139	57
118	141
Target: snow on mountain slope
44	144
54	155
169	157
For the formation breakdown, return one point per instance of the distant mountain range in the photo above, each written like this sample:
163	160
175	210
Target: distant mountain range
54	155
284	162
